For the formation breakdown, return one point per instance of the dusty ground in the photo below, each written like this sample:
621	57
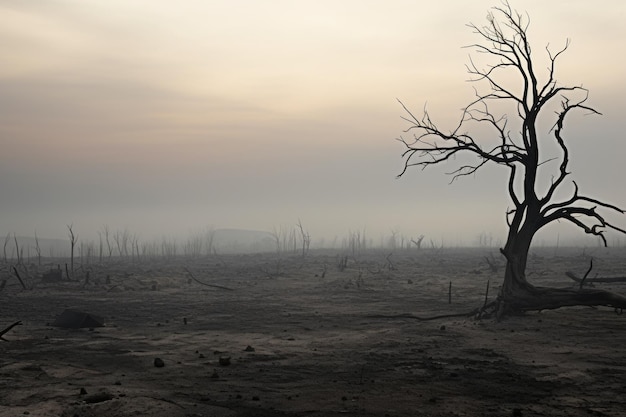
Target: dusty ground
302	342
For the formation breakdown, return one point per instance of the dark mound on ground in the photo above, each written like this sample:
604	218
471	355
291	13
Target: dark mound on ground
76	319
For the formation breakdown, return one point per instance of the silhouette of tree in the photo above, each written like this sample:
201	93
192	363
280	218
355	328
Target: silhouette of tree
517	142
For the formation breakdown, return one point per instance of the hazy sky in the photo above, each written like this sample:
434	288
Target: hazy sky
167	117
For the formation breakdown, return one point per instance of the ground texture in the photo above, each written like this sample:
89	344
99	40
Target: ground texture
320	335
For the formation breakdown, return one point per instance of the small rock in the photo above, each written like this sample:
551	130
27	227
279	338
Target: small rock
158	363
249	349
443	327
215	375
224	360
83	391
99	398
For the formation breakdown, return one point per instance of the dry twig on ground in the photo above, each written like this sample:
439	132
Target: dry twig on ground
205	284
3	332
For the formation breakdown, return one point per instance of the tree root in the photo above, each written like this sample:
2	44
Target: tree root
534	298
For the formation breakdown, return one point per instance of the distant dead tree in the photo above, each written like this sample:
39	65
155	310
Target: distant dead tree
517	144
276	237
7	239
209	240
37	249
18	250
418	242
134	247
100	246
121	241
305	237
356	242
73	239
106	232
392	242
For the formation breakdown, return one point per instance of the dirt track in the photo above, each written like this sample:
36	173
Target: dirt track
302	342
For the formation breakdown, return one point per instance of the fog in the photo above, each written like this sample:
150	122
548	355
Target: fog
168	119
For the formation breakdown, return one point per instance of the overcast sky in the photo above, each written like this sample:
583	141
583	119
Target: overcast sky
167	117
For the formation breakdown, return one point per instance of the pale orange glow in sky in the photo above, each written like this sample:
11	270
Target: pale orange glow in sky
167	116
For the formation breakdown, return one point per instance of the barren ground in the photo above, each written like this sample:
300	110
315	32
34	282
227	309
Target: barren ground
302	342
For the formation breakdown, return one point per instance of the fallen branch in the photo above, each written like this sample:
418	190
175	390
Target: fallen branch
3	332
113	287
205	284
477	312
576	278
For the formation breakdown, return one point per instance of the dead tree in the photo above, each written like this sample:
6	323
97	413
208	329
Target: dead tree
37	249
18	251
517	144
106	232
7	239
73	239
418	242
306	238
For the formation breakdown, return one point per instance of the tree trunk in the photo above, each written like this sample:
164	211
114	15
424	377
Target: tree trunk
518	295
